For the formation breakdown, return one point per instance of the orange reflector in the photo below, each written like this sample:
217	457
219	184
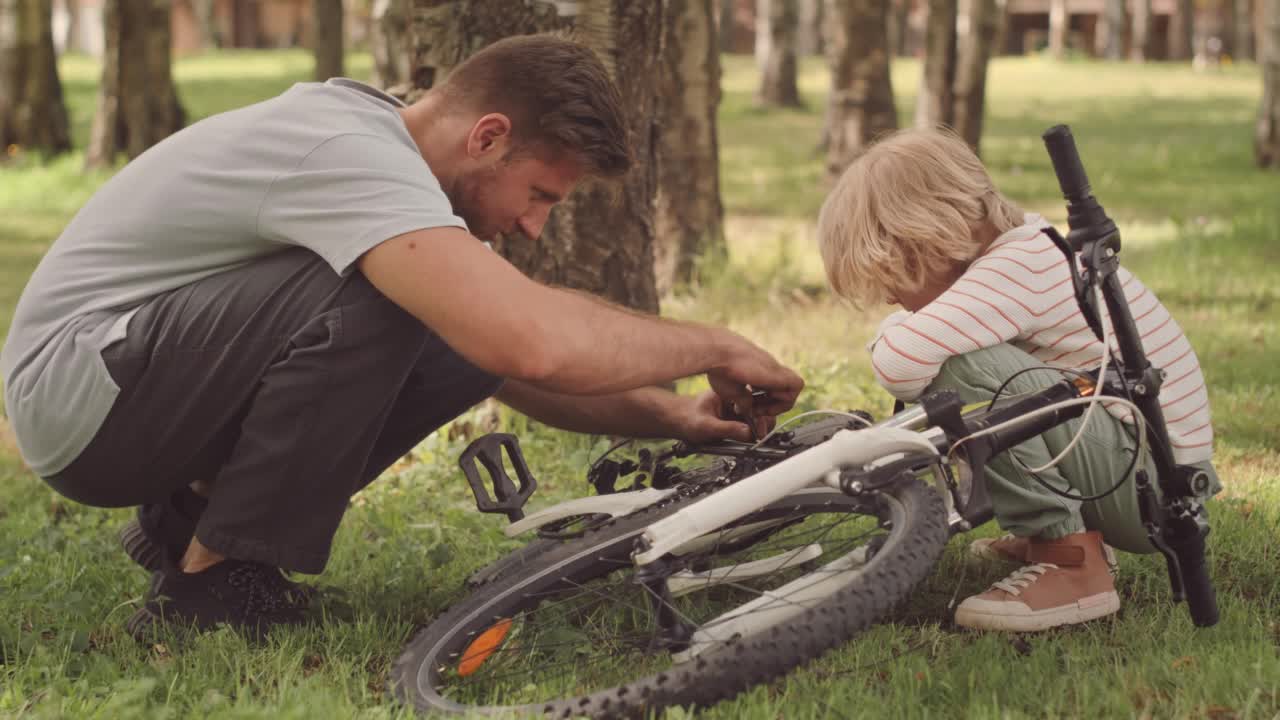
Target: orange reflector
482	647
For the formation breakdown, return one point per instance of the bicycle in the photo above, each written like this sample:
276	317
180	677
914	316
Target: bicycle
714	578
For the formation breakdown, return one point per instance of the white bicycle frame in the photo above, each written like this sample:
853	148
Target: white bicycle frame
822	463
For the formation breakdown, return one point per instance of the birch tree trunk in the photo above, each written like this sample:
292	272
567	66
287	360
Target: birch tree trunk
137	101
1109	38
1242	44
601	238
389	42
1266	139
1182	30
210	35
809	36
934	103
971	72
688	214
32	113
1059	24
327	38
71	38
1140	45
861	100
777	23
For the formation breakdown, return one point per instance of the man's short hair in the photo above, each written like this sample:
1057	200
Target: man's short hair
557	94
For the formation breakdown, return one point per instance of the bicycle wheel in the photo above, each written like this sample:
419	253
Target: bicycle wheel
574	633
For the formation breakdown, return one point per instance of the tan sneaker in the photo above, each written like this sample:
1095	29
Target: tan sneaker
1007	549
1012	550
1068	581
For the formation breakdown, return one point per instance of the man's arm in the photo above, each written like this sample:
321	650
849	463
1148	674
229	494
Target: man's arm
644	412
514	327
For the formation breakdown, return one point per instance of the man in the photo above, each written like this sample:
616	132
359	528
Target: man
257	316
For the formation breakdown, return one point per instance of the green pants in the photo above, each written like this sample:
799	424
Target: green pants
1023	506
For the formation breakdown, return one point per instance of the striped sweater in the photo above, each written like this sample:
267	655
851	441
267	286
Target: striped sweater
1019	292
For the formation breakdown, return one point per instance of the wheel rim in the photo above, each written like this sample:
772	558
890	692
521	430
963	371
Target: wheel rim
563	637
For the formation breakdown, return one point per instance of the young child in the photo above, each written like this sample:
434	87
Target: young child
916	221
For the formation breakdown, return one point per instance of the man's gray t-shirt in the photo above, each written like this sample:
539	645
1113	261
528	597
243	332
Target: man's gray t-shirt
325	166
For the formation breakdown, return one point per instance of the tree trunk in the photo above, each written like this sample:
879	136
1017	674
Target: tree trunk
776	24
725	26
1266	140
137	101
601	238
327	38
389	42
1059	24
207	23
1242	45
32	114
687	212
971	72
899	26
1182	30
934	104
809	36
1109	37
1140	47
71	37
861	105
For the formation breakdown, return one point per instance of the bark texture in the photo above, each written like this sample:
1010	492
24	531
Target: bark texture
327	39
389	42
861	100
934	103
32	113
1266	140
601	238
971	73
688	213
777	25
137	101
1109	37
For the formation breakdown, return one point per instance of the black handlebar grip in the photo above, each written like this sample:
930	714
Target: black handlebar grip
1202	602
1066	163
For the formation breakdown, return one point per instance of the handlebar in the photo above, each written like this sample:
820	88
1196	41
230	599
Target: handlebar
1066	163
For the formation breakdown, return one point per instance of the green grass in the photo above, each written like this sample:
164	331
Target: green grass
1168	151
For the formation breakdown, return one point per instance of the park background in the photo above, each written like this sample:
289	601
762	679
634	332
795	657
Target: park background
1174	105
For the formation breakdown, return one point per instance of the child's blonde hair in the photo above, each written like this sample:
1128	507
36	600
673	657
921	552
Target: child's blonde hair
911	208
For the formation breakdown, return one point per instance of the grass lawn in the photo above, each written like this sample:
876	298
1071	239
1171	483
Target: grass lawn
1168	150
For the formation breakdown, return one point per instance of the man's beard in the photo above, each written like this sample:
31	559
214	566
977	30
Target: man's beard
468	201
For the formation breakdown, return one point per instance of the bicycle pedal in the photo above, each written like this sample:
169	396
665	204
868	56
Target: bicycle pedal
507	498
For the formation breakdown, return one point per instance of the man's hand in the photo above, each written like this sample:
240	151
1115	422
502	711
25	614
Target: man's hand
705	420
752	369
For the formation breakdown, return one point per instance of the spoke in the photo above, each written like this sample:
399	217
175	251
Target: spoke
605	596
674	609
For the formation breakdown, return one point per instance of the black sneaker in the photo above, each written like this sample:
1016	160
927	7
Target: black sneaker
249	596
159	535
